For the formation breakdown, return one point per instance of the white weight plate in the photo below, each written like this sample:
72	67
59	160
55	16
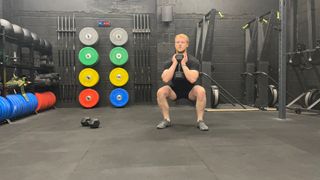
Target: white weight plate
118	36
88	36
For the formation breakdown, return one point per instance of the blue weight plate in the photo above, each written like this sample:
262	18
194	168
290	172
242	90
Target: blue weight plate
18	104
3	112
32	97
10	107
119	97
34	101
13	106
7	108
23	105
31	102
28	104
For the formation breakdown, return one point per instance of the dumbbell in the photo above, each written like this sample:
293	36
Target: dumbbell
85	121
92	123
179	73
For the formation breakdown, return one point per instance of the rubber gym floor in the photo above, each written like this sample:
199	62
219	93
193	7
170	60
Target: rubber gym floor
239	146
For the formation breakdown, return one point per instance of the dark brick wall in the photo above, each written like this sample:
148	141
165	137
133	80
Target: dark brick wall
44	25
303	23
229	37
86	6
1	8
40	17
310	77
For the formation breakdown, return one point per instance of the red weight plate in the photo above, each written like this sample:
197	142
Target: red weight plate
54	98
45	101
38	95
50	99
88	98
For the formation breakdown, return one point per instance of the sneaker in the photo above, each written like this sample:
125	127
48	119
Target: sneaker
163	124
202	126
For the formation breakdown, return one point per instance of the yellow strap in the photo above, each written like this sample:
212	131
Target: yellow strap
278	15
221	15
24	93
264	20
245	26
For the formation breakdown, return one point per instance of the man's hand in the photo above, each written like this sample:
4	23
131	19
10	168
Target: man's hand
168	74
185	59
191	75
174	60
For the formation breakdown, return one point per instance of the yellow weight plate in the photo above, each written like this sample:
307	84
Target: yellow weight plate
119	77
88	77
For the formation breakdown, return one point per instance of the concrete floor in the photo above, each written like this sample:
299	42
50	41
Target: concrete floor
239	146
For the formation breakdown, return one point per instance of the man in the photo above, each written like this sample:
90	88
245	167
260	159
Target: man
181	87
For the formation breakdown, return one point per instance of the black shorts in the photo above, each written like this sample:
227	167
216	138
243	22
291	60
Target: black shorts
182	92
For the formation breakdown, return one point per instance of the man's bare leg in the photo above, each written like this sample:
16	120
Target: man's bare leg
163	94
198	94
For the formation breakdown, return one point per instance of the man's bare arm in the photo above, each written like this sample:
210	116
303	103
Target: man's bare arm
167	74
191	75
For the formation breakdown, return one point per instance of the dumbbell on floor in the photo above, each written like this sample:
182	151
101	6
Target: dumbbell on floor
92	123
85	121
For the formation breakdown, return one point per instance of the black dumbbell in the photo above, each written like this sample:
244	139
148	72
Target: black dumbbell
94	123
85	121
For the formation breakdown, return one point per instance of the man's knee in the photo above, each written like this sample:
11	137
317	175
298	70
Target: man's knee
200	93
163	92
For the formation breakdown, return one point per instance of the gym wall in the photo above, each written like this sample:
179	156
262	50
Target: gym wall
41	16
42	19
310	77
1	8
229	37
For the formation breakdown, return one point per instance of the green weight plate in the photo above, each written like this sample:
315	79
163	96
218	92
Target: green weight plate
88	56
118	56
